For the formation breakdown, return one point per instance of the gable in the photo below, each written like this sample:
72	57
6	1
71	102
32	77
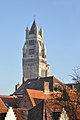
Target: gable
10	115
25	102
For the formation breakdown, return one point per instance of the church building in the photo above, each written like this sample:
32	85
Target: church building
40	96
34	54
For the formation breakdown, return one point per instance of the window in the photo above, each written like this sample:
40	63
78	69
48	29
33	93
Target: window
31	42
31	51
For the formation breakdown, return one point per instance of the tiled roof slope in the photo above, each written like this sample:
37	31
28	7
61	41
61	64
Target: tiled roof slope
31	114
10	100
36	113
21	114
55	80
25	102
37	94
3	107
36	84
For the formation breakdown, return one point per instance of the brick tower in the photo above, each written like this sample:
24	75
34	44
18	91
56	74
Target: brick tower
34	54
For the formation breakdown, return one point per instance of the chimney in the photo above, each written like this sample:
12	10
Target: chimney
17	86
25	79
46	88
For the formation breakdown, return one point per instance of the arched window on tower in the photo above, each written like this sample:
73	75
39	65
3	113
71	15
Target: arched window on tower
31	42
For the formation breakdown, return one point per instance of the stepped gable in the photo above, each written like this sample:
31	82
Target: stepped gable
10	114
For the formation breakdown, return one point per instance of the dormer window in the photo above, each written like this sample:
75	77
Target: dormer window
31	42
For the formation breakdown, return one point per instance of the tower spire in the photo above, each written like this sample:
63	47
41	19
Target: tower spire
27	32
34	25
34	54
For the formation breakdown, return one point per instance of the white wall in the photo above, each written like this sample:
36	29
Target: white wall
10	115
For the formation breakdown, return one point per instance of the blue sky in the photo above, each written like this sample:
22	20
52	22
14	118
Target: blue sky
60	20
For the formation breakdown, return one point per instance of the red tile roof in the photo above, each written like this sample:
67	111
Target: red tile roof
9	100
3	107
8	96
37	94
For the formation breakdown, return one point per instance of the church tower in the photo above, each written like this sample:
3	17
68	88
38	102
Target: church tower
34	54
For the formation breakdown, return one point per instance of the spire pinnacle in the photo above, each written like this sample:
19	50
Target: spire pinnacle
34	25
27	28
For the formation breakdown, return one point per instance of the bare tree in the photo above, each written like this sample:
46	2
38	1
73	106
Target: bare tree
76	74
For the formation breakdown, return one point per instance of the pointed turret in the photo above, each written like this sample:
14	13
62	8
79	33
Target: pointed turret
27	32
41	32
33	28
